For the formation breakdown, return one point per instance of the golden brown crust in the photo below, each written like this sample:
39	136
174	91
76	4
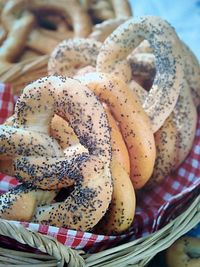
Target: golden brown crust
133	122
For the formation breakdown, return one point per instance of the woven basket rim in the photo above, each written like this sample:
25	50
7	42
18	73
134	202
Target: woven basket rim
132	252
138	252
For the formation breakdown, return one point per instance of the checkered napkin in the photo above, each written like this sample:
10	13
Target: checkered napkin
153	211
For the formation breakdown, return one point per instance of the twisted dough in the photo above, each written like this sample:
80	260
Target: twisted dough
133	122
191	65
184	252
120	213
105	10
40	39
116	93
90	172
168	80
175	138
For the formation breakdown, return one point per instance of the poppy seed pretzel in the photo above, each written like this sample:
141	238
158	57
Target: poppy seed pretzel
168	80
90	171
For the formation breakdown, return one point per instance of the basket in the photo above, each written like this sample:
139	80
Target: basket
50	252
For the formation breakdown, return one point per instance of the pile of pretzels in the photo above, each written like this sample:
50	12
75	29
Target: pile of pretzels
116	114
29	29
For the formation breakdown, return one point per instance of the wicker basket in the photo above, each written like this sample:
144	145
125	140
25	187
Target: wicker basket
133	253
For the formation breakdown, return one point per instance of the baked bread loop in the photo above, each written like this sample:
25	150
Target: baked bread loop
169	66
80	20
184	252
20	203
166	141
119	149
90	172
71	55
133	122
14	44
121	211
102	30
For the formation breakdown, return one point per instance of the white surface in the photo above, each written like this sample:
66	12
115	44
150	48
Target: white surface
183	15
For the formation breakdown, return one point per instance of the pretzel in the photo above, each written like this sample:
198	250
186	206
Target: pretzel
71	55
80	20
90	172
139	175
45	44
184	252
164	92
132	119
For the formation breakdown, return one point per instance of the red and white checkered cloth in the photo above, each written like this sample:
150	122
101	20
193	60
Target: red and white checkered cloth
153	211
